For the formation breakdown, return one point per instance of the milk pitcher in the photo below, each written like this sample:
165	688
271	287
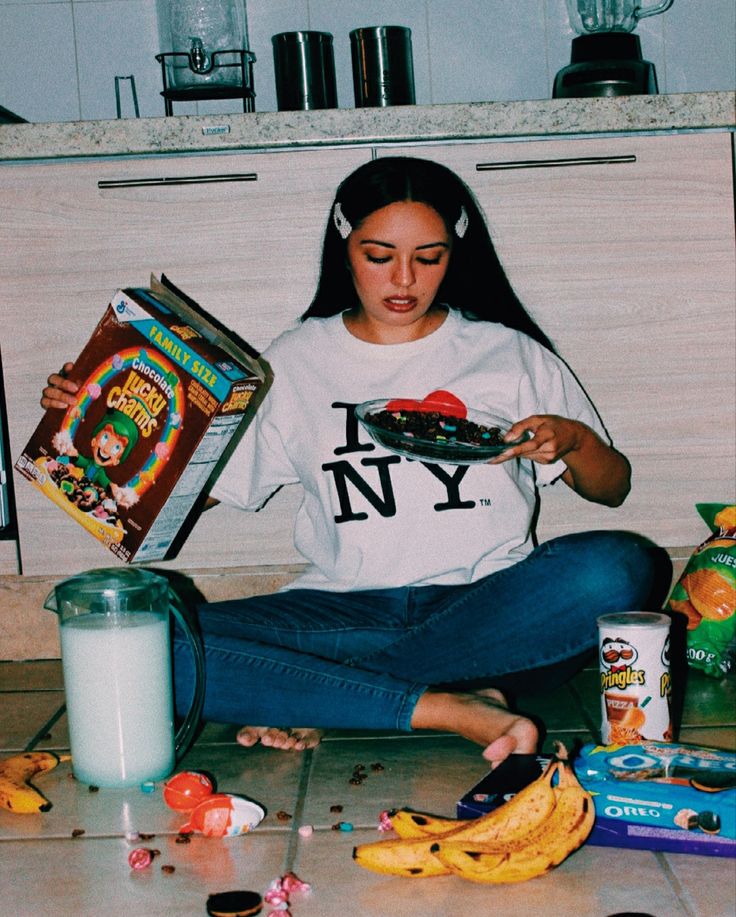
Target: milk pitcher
116	659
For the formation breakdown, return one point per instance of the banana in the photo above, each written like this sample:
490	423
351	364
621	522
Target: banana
407	823
16	794
527	836
412	856
408	857
566	829
534	858
527	809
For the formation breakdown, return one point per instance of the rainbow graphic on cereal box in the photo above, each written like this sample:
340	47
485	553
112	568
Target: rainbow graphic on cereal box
145	385
161	393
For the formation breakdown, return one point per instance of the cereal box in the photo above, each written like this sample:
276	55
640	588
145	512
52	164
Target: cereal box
163	390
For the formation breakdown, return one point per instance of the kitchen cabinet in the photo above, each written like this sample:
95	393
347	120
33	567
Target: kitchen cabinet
622	248
240	233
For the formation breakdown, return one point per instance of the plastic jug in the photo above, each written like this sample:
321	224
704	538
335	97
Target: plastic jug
116	659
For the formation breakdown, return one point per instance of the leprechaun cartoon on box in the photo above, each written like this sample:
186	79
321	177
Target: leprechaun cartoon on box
112	441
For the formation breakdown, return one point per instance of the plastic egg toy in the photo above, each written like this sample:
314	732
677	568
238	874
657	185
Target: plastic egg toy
224	815
184	791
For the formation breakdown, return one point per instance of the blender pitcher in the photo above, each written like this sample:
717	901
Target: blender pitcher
606	58
116	659
590	16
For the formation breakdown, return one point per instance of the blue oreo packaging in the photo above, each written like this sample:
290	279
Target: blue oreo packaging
669	797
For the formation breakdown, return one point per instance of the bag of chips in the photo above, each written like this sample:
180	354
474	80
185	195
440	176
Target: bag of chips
706	594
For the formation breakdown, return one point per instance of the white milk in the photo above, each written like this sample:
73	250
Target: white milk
119	698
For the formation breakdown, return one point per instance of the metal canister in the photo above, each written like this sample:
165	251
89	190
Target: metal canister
304	65
383	67
634	658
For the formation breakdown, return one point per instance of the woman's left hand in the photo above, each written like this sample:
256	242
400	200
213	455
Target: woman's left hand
552	438
594	469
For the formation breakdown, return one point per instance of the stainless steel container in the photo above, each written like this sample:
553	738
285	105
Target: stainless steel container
383	67
304	65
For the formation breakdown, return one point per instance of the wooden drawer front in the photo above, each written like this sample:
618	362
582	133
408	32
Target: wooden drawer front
246	247
623	250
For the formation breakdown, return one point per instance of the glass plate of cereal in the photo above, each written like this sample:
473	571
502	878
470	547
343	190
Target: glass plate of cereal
435	429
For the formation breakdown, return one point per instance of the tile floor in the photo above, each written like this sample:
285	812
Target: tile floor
46	871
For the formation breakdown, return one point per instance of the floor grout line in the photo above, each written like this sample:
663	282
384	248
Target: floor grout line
305	773
592	727
680	892
31	691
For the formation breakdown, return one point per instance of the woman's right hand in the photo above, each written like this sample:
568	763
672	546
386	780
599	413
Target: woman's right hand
60	391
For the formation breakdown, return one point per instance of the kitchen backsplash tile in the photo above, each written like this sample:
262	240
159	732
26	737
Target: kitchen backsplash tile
267	18
104	54
699	46
38	64
487	51
62	56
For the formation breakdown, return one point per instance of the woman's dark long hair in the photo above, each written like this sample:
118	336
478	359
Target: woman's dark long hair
475	283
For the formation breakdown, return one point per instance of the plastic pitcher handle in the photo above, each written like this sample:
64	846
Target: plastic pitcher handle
51	603
185	734
643	11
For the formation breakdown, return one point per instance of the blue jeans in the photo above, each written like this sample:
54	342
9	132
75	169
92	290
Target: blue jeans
362	659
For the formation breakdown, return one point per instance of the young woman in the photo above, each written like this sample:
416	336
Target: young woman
425	599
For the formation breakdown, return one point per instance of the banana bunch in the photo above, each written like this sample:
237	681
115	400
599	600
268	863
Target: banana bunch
525	837
16	793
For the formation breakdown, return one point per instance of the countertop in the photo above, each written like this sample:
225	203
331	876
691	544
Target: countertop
349	126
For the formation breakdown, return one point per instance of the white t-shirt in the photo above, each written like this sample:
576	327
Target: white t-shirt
370	518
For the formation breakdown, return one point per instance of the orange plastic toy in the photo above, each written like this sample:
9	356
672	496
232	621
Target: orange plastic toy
184	791
224	815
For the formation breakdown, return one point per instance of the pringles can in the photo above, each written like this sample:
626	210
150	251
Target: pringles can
634	657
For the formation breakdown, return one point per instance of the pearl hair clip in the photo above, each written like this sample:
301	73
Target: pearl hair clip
342	224
462	223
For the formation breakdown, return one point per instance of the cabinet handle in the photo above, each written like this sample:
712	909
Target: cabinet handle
549	163
176	180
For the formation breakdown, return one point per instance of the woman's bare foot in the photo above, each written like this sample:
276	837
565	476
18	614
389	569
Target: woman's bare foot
296	739
483	717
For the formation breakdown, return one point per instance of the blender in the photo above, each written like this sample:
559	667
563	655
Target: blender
606	58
